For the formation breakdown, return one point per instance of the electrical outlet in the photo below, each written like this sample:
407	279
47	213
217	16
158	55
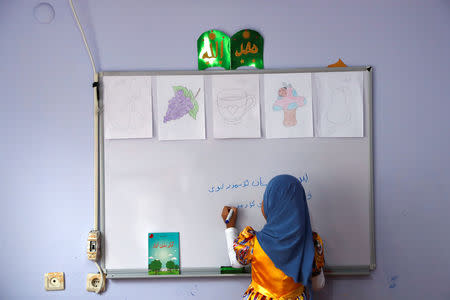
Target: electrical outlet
54	281
93	283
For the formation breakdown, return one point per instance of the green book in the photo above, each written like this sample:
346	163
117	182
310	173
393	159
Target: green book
164	253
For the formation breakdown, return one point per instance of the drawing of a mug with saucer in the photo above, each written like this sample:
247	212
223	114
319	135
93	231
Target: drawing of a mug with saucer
233	104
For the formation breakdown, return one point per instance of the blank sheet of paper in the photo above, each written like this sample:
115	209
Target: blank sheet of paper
236	112
338	104
288	105
127	107
181	107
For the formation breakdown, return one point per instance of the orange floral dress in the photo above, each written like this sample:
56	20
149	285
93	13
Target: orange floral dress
269	282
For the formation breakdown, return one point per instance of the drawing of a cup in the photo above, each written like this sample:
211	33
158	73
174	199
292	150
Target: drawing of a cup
233	104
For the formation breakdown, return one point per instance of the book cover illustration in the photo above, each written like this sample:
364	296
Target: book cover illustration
164	253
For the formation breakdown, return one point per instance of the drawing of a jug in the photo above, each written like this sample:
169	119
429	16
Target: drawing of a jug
233	104
338	112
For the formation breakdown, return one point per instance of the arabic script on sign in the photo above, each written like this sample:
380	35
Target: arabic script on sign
248	49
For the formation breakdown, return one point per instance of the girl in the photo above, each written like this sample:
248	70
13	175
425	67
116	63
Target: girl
286	256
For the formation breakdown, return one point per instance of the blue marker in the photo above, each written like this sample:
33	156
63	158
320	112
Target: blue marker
230	214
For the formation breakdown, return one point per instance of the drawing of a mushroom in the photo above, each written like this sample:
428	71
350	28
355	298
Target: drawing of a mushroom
288	101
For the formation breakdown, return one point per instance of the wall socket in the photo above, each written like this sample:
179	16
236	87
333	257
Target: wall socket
93	282
54	281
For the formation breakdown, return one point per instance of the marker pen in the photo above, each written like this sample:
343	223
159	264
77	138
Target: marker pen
230	214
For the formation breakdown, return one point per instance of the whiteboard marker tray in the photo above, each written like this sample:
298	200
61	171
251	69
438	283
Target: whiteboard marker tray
215	272
185	273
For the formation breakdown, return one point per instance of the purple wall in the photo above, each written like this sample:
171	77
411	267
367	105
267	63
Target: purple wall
46	129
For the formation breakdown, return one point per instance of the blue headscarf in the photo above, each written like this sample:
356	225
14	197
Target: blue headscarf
287	237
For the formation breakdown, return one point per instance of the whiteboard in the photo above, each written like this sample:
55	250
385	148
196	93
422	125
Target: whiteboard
181	186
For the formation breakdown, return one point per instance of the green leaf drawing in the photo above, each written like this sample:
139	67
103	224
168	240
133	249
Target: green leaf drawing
193	112
177	88
188	94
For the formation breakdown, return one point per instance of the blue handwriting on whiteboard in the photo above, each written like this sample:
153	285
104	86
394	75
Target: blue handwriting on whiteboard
249	204
253	204
248	183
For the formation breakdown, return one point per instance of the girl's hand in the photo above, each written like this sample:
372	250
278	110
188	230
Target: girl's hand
225	211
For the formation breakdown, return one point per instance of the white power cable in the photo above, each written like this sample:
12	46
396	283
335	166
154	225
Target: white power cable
101	278
96	167
96	135
84	37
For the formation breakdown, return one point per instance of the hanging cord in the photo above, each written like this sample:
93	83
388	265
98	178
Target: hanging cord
101	278
95	86
84	37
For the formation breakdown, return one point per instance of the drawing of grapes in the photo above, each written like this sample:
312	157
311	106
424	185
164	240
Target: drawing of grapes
181	104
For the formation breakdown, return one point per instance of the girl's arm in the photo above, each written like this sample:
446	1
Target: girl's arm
231	234
318	282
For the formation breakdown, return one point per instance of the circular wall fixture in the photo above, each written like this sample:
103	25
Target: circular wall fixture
44	13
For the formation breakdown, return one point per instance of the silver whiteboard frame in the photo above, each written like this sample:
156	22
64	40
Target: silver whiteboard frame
215	272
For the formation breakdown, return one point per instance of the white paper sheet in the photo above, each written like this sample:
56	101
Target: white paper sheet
127	107
236	111
288	105
181	107
338	104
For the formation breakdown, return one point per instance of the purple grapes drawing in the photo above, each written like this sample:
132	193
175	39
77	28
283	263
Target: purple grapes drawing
181	104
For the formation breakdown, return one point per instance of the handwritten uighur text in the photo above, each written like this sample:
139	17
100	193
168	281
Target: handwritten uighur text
248	183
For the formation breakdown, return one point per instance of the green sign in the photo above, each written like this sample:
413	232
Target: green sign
213	49
247	49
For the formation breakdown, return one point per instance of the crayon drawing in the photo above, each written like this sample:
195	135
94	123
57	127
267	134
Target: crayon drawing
339	104
233	104
236	112
338	112
181	109
128	107
288	105
288	101
181	104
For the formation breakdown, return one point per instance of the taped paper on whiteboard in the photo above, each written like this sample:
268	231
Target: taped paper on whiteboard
127	107
338	104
